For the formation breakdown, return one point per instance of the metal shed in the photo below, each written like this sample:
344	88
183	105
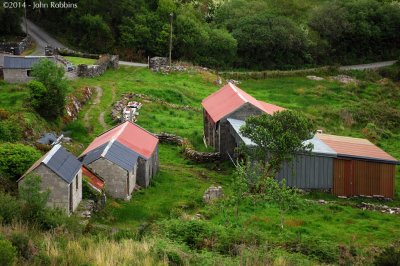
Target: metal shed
347	166
361	168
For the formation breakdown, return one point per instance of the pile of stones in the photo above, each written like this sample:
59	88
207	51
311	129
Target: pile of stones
213	193
380	208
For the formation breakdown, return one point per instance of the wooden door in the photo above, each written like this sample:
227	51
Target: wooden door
348	178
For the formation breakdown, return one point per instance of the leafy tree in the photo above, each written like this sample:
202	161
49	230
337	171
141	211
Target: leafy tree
48	91
284	197
10	20
221	48
269	41
239	187
10	208
95	34
16	158
277	137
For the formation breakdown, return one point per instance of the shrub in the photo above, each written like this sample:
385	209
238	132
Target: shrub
16	158
10	131
23	244
7	252
9	208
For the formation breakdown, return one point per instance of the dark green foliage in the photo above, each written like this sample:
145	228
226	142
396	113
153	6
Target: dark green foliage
95	34
16	158
278	137
10	208
315	247
10	131
34	199
23	244
363	29
268	41
48	91
7	252
10	19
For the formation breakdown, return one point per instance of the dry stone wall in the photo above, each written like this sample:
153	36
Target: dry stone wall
189	152
16	48
101	65
75	103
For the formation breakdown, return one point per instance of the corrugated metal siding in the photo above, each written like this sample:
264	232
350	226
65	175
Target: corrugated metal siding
308	171
355	177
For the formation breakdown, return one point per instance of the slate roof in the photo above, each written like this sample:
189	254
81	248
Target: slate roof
22	62
60	161
130	136
114	152
229	98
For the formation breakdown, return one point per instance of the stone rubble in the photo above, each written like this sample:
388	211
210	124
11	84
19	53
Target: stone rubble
213	193
75	103
380	208
345	79
118	107
315	78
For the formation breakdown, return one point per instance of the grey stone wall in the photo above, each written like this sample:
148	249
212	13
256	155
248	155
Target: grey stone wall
77	190
115	178
16	75
147	169
99	67
157	63
59	189
16	48
226	140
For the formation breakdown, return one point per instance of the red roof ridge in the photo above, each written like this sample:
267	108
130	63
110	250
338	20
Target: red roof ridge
110	143
236	89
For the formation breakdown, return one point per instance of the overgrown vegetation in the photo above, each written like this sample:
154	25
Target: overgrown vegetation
258	34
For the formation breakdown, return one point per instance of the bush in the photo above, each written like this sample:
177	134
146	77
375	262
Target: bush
16	158
7	252
9	208
23	244
10	131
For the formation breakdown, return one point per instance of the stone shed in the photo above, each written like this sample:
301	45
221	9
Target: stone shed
123	156
17	69
61	174
229	102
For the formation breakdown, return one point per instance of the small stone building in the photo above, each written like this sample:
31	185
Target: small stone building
17	69
61	174
229	102
123	156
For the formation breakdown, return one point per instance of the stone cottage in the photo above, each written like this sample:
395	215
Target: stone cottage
17	69
123	156
61	174
229	102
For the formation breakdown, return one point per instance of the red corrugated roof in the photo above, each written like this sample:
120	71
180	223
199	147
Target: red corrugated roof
229	98
131	135
355	147
93	179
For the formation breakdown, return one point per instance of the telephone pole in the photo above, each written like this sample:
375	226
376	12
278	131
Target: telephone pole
26	22
170	41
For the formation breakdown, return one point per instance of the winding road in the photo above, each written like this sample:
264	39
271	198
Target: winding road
42	39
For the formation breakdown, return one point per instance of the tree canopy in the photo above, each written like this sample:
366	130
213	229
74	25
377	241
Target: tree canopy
278	137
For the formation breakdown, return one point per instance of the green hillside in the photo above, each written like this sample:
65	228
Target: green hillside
159	224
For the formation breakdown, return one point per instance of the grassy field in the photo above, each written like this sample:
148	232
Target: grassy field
314	234
80	60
